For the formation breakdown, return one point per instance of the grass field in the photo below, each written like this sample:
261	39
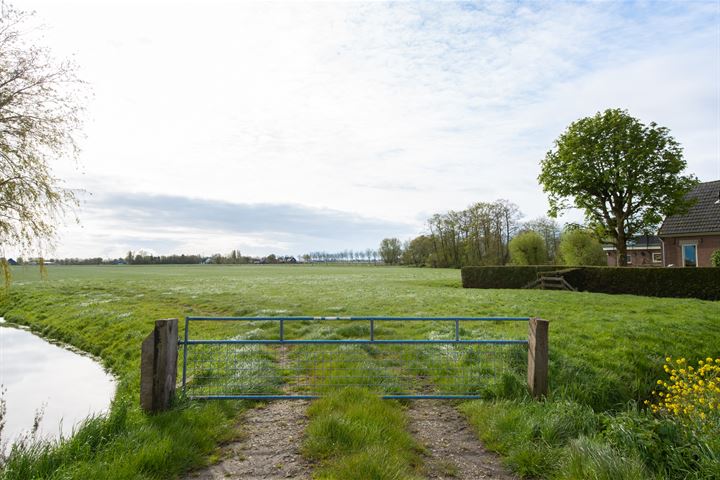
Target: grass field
605	354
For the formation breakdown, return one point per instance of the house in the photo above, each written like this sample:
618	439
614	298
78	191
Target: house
12	262
642	251
689	239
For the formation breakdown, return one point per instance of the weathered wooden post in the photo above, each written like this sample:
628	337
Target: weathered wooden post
158	366
538	357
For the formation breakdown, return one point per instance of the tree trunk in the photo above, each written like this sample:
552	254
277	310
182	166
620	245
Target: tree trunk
621	248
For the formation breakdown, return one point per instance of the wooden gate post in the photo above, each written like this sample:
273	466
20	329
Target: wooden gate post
538	357
158	366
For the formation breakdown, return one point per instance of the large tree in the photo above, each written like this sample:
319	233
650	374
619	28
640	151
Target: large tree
625	175
39	123
418	251
390	250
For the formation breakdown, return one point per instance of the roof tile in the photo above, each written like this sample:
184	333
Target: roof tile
703	217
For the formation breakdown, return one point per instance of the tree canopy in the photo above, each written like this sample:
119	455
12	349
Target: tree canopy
550	232
528	248
579	247
418	251
478	235
39	122
390	250
625	175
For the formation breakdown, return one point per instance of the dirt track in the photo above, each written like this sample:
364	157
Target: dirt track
269	447
452	448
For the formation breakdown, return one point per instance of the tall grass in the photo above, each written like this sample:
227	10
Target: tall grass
563	439
353	434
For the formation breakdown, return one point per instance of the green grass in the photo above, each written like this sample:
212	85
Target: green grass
605	351
354	434
562	439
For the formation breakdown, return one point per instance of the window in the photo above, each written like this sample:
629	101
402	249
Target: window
689	253
628	259
657	257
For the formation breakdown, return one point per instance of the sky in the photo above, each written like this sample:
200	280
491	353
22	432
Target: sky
290	127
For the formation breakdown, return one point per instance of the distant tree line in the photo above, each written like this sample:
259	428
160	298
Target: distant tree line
68	261
144	258
346	256
232	258
141	257
492	233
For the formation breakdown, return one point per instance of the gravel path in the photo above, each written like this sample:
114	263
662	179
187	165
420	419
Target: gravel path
453	451
269	448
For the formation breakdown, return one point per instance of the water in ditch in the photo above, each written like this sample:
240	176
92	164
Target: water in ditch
38	376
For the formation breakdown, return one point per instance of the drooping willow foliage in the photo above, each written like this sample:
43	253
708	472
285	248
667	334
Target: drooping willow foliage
40	111
5	272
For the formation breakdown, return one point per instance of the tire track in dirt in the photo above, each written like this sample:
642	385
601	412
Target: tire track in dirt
452	450
269	447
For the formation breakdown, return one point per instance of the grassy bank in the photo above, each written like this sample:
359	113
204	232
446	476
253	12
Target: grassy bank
605	350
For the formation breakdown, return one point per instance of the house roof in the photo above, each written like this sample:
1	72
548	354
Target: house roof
638	242
703	217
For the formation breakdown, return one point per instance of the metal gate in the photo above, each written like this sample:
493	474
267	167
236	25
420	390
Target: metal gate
307	357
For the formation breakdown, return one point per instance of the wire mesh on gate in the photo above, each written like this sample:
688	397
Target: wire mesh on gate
241	367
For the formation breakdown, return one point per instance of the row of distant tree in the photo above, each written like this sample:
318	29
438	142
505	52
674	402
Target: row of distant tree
142	257
346	256
492	233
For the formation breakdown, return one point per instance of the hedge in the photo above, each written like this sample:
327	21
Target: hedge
702	283
502	277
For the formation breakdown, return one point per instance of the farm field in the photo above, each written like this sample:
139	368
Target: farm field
606	352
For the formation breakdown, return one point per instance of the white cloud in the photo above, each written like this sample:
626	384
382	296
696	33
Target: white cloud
387	111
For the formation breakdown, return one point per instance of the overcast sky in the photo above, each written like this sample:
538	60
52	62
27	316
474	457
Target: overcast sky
294	127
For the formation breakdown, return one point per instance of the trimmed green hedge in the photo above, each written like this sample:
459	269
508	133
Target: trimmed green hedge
502	276
702	283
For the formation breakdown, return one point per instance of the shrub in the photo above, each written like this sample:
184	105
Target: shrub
528	248
715	258
579	247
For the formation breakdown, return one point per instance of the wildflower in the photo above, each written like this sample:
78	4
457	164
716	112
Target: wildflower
692	393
